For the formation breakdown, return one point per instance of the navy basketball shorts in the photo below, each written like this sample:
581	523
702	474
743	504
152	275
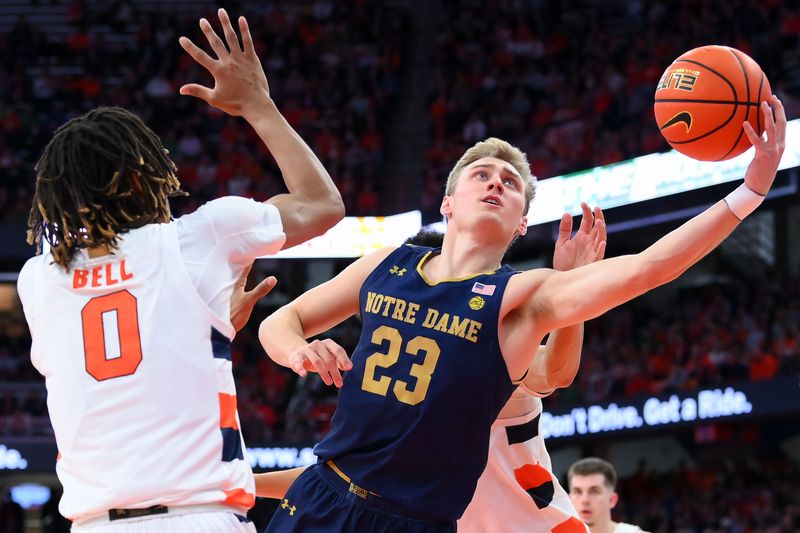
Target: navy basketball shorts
321	501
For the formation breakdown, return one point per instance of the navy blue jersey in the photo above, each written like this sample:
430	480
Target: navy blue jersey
428	381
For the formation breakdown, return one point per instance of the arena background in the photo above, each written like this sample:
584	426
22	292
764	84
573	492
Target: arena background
692	391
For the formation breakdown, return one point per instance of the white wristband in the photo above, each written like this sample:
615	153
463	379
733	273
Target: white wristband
742	201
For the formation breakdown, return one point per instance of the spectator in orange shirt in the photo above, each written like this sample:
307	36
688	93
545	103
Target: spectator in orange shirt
763	365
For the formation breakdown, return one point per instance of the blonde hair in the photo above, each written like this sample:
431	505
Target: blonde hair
500	149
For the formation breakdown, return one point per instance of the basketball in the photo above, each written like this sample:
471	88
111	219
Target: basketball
703	98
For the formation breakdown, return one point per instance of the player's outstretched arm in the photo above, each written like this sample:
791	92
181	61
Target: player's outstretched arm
313	204
283	334
276	484
556	364
557	299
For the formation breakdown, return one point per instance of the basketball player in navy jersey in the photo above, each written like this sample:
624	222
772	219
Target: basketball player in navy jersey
447	335
517	455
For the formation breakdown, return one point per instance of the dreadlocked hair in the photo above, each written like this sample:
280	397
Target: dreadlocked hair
101	174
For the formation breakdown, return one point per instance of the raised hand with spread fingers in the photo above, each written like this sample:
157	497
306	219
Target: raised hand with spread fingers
239	79
313	204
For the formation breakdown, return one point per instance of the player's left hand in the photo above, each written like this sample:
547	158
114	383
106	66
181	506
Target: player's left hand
324	357
239	79
243	301
586	246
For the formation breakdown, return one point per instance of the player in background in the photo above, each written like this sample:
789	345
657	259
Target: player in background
518	471
448	335
129	310
592	489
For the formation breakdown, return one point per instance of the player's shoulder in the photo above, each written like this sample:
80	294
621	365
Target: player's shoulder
414	250
32	262
372	260
525	282
234	206
418	248
534	274
231	202
403	255
28	274
366	266
30	268
231	214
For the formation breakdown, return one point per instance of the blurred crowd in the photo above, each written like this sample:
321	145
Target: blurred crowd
572	87
332	68
755	495
726	332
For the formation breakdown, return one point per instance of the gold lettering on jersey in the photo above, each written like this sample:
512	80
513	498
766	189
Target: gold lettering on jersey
458	326
104	275
405	311
370	301
472	334
399	307
464	328
389	300
430	318
441	325
411	314
374	302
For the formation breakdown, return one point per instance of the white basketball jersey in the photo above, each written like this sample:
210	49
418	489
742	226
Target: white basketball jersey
517	491
138	370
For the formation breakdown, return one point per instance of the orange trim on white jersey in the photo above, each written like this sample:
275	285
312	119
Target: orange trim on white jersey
517	490
143	415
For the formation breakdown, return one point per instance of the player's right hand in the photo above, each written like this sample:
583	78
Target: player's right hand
761	172
239	78
324	357
243	301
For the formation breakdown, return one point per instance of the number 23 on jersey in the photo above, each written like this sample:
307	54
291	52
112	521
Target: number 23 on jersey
421	371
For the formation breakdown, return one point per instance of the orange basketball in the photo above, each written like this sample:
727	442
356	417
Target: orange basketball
704	97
